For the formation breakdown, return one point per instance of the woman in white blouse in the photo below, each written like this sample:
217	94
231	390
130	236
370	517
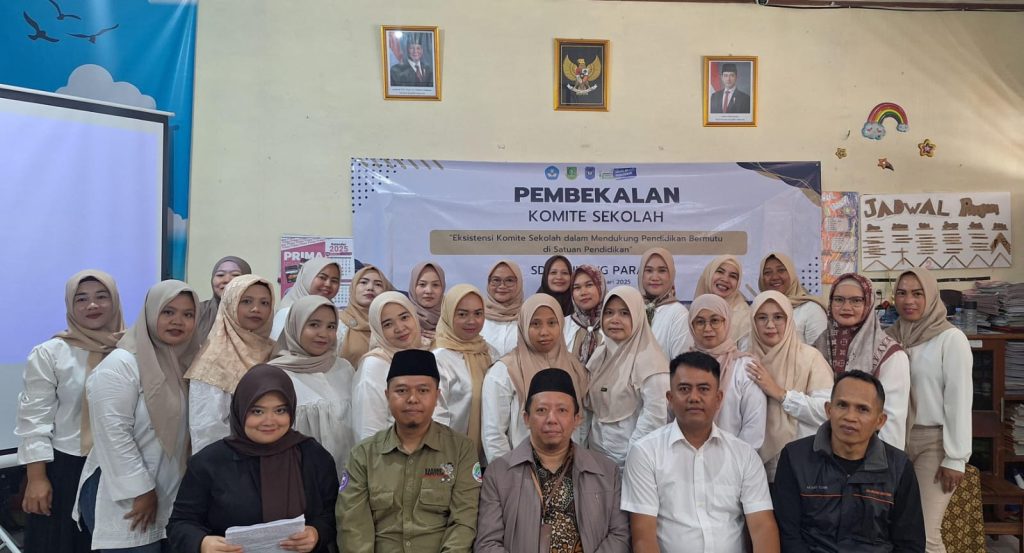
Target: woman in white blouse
794	376
320	276
502	304
463	358
668	319
778	273
942	389
139	419
54	435
307	351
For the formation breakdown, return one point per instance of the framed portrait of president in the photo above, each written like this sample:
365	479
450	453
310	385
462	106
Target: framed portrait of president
730	91
410	62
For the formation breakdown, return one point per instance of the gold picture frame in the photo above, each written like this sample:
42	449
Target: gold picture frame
730	91
581	74
410	62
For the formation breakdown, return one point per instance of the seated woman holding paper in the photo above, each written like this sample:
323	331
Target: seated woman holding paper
263	472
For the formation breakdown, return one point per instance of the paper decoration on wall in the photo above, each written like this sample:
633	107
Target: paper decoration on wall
297	249
938	231
840	153
927	148
883	163
839	234
874	127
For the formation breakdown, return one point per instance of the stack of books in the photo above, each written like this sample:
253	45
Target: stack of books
1001	303
1018	429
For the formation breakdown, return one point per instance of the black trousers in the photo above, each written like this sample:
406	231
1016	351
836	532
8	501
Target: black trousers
57	533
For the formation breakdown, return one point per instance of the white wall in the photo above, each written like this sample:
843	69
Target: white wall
287	92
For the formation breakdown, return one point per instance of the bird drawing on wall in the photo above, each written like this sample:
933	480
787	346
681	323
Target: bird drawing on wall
40	34
581	76
92	38
61	16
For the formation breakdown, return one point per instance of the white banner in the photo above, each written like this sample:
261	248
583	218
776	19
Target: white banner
466	215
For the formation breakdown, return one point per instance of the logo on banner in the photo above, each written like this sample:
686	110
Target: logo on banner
551	172
621	173
570	173
606	175
590	173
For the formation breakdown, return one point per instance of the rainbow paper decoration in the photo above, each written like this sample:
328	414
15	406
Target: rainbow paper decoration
874	128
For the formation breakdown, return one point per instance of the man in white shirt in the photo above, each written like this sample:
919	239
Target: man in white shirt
691	483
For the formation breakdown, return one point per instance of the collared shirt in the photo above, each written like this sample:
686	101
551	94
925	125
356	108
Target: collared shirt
671	328
421	502
700	496
370	412
744	407
50	406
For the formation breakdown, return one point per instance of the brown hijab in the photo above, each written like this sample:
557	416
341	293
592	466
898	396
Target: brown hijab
98	342
282	494
651	303
428	316
380	347
290	353
725	353
618	370
794	365
933	320
475	351
208	309
862	347
231	350
525	361
504	312
741	313
357	319
589	336
796	293
161	367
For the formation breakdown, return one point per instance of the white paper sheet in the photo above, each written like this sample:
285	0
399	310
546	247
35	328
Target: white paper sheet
266	537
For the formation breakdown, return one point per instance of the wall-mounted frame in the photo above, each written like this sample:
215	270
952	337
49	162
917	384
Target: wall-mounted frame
581	74
730	91
410	62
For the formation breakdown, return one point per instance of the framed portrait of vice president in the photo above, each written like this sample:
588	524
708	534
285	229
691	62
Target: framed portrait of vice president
730	91
410	62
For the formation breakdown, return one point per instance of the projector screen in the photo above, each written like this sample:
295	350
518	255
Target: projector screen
82	185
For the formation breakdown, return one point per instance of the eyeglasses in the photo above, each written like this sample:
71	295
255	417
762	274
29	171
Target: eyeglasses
854	301
506	282
715	322
777	319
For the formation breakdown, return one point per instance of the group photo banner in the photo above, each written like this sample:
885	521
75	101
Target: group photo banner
468	215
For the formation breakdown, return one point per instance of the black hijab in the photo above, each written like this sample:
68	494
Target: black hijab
564	299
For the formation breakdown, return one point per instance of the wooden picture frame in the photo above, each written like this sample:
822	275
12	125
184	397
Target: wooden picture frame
581	74
730	91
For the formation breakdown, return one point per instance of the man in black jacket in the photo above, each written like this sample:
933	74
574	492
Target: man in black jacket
844	489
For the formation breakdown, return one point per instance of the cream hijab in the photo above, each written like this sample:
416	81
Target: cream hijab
725	353
618	370
161	366
427	316
99	342
505	312
291	355
380	347
525	361
232	350
307	274
475	352
796	293
741	312
794	366
357	319
933	320
651	304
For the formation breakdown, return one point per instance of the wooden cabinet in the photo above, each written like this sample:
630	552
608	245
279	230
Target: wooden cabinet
993	441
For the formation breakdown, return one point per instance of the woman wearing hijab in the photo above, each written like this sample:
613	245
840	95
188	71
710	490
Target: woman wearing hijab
629	378
723	277
307	351
583	324
463	358
139	420
393	328
556	281
667	317
53	422
426	291
855	340
501	306
744	405
942	390
240	339
540	346
794	376
354	325
319	276
263	472
778	273
224	271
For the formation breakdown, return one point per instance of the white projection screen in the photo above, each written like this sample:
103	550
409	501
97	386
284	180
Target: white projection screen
83	184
